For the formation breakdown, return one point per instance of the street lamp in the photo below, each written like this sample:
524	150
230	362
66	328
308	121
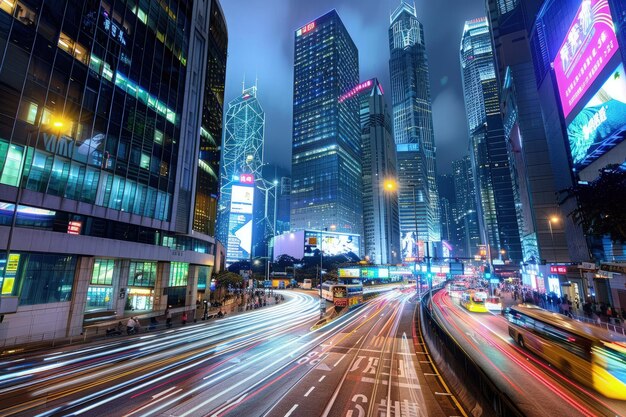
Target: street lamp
555	220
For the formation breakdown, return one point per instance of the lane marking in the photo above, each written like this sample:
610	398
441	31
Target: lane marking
322	378
340	359
442	393
309	391
291	411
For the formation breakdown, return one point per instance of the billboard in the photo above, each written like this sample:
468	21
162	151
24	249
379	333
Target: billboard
596	128
589	44
331	243
240	223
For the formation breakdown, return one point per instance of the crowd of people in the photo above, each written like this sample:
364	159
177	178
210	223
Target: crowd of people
601	312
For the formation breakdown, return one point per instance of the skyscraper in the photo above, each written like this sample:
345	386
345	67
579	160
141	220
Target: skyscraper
466	209
381	225
413	129
531	169
242	159
326	188
488	150
99	149
207	178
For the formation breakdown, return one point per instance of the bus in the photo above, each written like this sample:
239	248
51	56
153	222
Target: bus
456	290
342	295
589	354
474	301
307	284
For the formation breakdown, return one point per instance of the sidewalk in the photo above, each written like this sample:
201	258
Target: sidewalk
97	333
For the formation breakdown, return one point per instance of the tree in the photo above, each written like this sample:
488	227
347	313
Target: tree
227	278
602	204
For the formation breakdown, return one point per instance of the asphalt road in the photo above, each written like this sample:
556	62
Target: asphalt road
259	363
537	388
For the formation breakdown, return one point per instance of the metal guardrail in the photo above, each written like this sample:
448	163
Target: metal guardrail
467	372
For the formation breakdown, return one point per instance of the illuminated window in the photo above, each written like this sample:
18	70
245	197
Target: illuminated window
142	274
145	161
7	6
178	274
103	272
13	166
165	168
66	43
158	136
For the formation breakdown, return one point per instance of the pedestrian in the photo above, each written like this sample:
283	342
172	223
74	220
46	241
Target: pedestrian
168	317
184	318
130	326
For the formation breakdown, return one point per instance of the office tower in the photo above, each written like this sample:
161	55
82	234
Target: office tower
488	150
466	208
326	162
413	129
542	237
381	224
99	147
447	209
207	177
241	176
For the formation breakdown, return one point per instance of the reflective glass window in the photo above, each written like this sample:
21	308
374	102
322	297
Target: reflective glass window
46	278
103	271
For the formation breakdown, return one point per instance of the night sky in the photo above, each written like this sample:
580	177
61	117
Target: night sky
261	43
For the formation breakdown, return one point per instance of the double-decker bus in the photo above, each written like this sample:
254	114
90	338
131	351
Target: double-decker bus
342	295
456	290
589	354
474	301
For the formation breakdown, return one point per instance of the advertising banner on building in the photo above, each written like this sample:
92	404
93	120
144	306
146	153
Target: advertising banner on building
330	243
588	46
596	128
240	223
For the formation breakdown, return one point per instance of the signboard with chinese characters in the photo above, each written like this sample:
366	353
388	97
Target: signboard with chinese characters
597	127
305	29
349	272
558	269
589	44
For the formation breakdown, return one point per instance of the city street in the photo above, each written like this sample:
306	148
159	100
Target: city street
533	385
264	362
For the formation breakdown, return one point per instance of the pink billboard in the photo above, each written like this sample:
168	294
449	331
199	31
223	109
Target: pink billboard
588	46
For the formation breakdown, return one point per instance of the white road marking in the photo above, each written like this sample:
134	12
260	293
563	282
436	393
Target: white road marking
322	378
340	359
162	393
309	391
291	411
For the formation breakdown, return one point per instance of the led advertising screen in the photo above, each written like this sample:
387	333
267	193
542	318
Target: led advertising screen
240	224
596	128
589	44
332	244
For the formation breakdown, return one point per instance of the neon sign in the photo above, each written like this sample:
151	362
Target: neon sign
244	178
306	29
558	269
356	90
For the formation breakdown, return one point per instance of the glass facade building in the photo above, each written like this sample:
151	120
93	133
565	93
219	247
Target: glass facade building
100	118
242	153
488	149
381	224
413	129
529	158
326	186
466	213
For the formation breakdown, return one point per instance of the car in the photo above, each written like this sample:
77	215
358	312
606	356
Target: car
493	304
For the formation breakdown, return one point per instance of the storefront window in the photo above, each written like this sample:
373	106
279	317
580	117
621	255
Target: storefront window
103	272
140	299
